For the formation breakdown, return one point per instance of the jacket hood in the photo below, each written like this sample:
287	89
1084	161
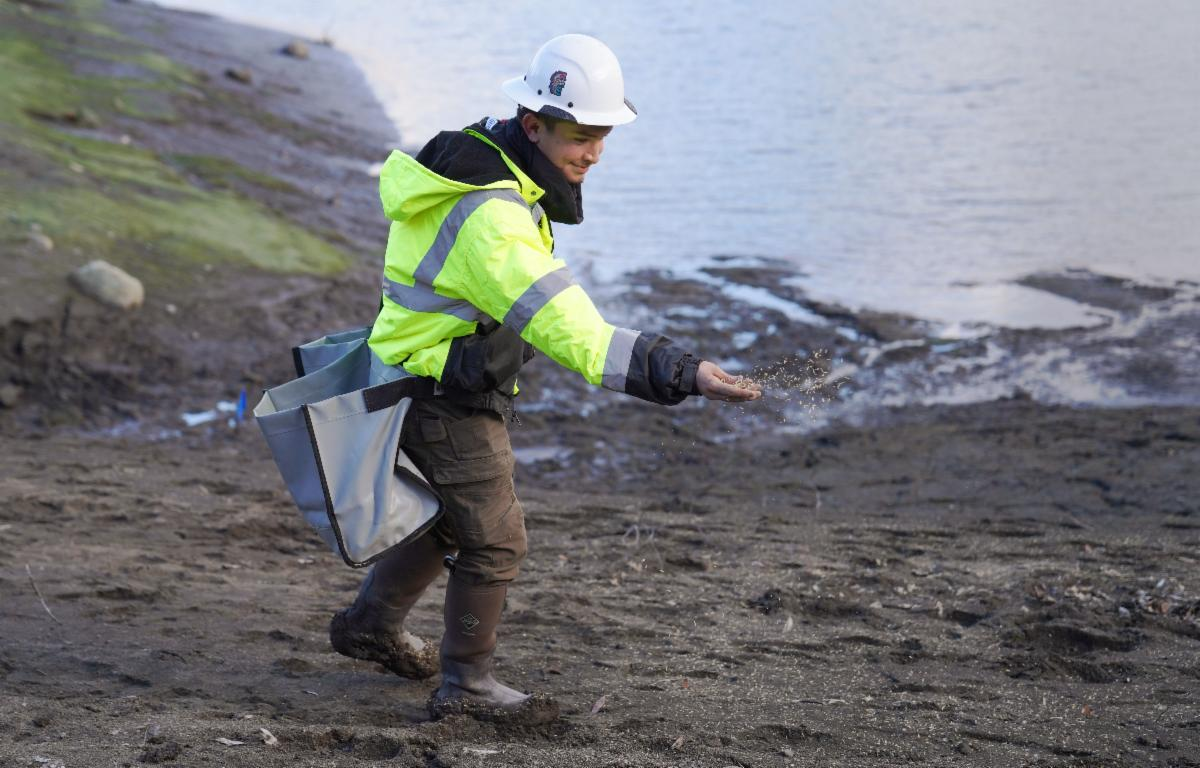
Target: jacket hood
563	202
453	162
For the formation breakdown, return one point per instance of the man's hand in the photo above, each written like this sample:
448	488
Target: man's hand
715	384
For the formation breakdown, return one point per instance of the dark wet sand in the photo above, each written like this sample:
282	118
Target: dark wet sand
998	585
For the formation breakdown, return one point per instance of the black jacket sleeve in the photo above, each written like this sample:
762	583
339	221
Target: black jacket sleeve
661	371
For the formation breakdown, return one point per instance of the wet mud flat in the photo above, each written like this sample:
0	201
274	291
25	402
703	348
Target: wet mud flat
1135	346
1000	584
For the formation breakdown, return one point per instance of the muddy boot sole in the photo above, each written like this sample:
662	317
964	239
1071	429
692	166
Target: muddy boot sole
396	657
538	709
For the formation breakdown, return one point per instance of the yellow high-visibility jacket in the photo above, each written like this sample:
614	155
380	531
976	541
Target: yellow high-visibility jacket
463	257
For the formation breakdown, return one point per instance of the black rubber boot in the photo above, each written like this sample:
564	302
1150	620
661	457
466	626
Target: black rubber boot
468	687
372	629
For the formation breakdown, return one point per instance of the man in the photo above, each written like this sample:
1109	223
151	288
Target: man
470	287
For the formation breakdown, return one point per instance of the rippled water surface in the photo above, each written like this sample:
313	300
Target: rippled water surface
907	155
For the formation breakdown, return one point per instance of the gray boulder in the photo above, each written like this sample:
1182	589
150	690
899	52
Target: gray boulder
297	49
41	240
240	74
9	395
109	285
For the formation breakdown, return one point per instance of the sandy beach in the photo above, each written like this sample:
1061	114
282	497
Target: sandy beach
1002	583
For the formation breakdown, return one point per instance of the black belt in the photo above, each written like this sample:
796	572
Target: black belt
423	387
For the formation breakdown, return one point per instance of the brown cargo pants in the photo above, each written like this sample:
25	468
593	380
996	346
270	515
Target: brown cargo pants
465	454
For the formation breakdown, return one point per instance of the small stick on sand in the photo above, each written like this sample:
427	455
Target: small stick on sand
33	583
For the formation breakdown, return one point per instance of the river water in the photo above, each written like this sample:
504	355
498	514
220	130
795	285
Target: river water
905	155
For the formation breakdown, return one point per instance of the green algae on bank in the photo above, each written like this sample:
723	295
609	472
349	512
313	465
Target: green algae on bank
221	173
66	167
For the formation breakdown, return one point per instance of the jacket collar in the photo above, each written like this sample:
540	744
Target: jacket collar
537	177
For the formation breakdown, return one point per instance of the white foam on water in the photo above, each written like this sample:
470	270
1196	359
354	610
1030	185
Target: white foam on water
761	297
744	340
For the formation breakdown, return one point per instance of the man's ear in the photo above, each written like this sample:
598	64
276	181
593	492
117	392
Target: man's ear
533	127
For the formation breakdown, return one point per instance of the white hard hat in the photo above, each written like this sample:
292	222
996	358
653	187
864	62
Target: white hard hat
575	78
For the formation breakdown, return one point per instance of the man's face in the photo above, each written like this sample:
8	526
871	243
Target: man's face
570	147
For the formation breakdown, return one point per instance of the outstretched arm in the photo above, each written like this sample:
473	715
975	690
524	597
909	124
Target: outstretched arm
512	278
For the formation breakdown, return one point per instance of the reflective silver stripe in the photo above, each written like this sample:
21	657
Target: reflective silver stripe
435	258
537	296
538	213
421	298
618	359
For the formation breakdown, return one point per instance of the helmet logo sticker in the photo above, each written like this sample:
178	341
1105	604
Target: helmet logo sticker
557	81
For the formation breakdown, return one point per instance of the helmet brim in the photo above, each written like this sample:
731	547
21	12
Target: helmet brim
519	91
